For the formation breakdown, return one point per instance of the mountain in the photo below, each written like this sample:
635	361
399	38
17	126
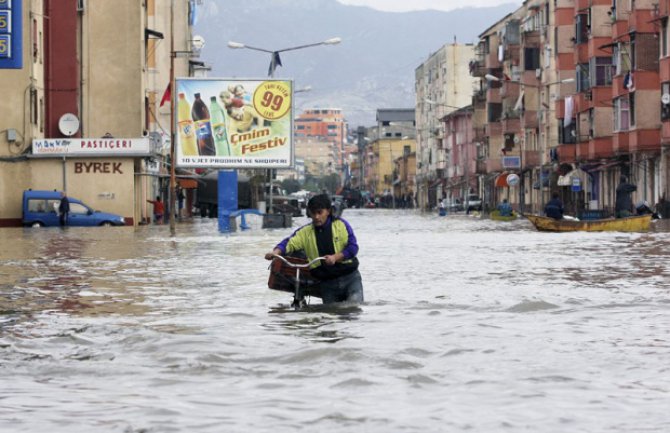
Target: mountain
373	67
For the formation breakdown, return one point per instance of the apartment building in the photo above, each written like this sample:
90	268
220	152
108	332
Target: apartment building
572	103
328	124
443	84
393	137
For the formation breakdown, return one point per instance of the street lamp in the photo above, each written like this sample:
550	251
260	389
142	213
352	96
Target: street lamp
490	77
275	61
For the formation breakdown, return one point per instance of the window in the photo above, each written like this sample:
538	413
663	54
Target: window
600	71
631	58
631	109
531	58
567	134
664	37
620	59
665	107
582	27
621	114
583	82
77	208
494	112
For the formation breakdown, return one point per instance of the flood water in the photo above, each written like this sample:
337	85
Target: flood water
468	325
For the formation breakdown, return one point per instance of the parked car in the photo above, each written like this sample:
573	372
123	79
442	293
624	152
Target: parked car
474	203
452	204
338	205
40	210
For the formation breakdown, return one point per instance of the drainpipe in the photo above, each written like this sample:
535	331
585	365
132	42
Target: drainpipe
64	174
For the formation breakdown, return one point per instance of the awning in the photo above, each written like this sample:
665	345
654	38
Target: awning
501	180
435	183
187	183
608	165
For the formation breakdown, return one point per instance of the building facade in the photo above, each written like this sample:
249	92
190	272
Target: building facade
442	83
569	101
83	110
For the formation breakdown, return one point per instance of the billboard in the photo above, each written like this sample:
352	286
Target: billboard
11	34
231	123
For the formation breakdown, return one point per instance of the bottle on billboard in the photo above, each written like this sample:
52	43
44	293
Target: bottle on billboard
203	128
219	128
187	141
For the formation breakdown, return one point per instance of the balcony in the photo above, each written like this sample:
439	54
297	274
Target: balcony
566	152
531	158
493	129
511	125
601	147
493	165
529	119
641	140
582	151
620	142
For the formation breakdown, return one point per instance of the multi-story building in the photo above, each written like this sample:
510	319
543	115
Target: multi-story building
82	101
326	124
319	155
443	84
460	178
393	137
572	101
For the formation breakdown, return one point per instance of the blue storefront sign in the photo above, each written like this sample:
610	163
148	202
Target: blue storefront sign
11	34
576	184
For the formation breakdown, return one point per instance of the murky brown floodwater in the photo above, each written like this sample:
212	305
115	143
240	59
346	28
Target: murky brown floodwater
468	325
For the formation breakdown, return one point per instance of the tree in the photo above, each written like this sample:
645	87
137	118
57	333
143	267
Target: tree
290	185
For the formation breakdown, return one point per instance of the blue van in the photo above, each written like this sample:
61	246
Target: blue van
40	209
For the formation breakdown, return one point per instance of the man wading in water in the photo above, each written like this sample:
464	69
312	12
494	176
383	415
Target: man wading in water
334	239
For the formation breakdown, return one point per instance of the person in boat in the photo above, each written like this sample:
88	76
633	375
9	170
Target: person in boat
504	208
333	238
642	208
623	203
554	207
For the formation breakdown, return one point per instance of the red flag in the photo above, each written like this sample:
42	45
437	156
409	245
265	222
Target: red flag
167	95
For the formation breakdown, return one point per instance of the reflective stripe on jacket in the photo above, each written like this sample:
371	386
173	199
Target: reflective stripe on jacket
305	239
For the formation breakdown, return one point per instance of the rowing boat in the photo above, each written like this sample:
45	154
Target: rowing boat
495	215
638	223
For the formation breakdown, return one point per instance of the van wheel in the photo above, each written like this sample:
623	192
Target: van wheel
37	224
106	224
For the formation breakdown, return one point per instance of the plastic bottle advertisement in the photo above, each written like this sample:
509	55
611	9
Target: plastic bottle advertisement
236	123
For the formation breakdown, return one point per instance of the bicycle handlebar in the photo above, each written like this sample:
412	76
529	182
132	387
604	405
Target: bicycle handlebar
297	265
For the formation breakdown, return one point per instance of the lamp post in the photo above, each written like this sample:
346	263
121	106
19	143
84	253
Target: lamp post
490	77
275	61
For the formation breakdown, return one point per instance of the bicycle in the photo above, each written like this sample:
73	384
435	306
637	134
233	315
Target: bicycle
282	278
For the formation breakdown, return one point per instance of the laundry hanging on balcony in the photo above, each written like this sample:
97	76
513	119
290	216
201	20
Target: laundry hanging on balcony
628	82
569	107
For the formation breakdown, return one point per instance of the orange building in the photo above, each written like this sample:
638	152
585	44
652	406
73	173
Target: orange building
324	124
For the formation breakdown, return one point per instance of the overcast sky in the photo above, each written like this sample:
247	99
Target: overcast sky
442	5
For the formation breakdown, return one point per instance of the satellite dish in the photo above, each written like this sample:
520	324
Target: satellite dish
512	179
198	42
68	124
516	139
665	98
